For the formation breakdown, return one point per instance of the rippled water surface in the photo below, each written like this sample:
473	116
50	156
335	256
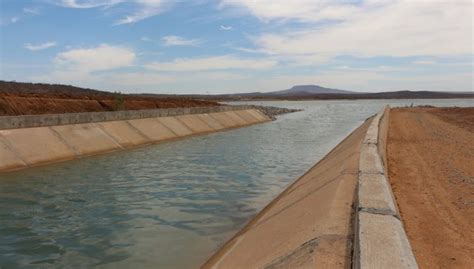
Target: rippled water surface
168	205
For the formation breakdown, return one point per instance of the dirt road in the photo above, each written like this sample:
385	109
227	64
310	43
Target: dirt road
431	169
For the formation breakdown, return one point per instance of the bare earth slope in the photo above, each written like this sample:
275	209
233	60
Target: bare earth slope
29	98
431	168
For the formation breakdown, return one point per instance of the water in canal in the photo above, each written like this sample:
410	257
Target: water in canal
168	205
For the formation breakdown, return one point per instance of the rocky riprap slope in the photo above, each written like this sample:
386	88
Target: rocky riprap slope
272	111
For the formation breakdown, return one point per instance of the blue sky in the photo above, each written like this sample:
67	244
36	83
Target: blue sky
225	46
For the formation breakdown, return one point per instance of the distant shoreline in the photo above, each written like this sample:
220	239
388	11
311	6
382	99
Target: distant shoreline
19	98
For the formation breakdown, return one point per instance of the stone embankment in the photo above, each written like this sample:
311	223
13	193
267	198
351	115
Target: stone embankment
27	141
272	111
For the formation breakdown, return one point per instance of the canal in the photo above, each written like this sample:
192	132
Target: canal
168	205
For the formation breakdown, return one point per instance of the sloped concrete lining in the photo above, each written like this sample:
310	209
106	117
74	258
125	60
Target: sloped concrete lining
214	124
26	147
380	240
246	116
257	114
38	145
9	160
175	126
124	133
223	119
195	124
236	118
152	129
86	138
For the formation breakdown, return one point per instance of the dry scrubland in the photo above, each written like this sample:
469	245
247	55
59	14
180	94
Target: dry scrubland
27	99
431	167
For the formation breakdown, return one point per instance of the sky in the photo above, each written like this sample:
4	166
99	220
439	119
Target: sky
228	46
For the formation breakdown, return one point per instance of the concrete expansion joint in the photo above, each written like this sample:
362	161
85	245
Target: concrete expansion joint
13	150
137	130
370	173
377	211
77	152
108	135
370	143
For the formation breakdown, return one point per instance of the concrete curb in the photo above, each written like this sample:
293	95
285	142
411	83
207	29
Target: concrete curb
380	240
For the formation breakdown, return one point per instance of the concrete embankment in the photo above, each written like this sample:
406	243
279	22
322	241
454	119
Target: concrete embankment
380	239
340	214
27	141
309	224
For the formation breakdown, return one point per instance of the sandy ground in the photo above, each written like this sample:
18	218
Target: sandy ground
431	168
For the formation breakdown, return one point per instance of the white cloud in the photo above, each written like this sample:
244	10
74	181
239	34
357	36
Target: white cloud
138	79
225	28
7	21
81	66
374	28
222	76
87	3
142	9
300	10
212	63
145	39
425	62
32	11
147	9
173	40
103	57
35	47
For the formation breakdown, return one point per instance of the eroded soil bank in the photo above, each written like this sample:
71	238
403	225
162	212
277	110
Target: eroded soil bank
35	98
430	161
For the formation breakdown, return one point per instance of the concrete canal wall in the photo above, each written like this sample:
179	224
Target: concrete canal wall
380	240
309	224
27	141
340	214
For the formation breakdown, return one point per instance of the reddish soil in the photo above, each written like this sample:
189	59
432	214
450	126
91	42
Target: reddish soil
431	169
28	98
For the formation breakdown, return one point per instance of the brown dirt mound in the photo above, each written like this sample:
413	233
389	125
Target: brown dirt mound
27	98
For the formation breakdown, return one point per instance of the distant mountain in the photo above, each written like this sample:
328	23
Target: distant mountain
308	90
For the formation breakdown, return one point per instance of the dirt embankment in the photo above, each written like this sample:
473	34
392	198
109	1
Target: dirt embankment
27	98
431	168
